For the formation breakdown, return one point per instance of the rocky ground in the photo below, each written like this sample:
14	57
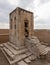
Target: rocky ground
3	61
39	62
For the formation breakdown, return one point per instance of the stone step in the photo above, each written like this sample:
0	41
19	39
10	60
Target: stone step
22	63
22	51
15	47
11	44
18	58
9	54
1	45
5	55
10	48
13	60
22	47
27	60
32	57
28	53
15	52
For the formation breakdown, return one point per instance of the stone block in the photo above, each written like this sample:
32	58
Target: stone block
9	53
22	63
28	53
21	51
19	58
11	49
12	45
32	57
1	45
27	60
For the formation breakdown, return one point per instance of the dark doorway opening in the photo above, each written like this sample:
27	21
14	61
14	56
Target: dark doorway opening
26	29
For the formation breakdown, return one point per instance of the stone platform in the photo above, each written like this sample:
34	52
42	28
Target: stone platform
17	55
24	55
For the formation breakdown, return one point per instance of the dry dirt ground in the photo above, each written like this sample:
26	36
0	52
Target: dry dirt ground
3	61
39	62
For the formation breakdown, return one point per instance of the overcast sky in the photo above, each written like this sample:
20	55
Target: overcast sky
41	9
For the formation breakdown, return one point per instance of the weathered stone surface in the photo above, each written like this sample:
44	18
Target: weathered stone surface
12	45
32	57
32	47
28	53
44	43
14	51
11	58
20	19
9	53
22	63
34	37
27	60
34	41
11	49
1	45
35	47
18	58
21	51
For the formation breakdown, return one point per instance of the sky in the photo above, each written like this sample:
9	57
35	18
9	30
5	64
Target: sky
40	8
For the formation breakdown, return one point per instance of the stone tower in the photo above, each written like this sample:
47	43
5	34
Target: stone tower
21	26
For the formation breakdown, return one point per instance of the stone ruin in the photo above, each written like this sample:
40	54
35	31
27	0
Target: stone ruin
23	47
21	26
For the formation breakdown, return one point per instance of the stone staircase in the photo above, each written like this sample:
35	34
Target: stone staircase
17	55
25	54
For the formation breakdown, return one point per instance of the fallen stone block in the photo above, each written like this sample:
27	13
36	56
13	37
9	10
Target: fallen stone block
22	63
27	60
32	57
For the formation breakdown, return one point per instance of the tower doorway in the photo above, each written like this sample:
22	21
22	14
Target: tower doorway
26	28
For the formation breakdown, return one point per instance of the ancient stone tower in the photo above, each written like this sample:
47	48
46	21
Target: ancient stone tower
21	26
